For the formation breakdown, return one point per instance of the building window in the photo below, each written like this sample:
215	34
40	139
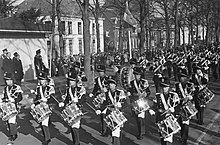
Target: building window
69	27
80	46
71	46
93	28
93	46
79	28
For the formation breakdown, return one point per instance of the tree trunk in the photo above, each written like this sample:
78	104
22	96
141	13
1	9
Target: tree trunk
86	41
142	25
167	28
97	11
120	41
61	46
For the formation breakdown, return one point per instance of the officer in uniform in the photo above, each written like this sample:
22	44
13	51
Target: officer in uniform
38	62
77	69
100	87
184	90
200	80
44	93
113	101
11	93
133	63
139	88
161	107
74	93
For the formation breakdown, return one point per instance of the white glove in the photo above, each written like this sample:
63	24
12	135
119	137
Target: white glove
129	94
75	100
61	104
91	95
98	112
11	99
190	97
105	89
118	105
32	106
171	109
44	99
151	112
32	91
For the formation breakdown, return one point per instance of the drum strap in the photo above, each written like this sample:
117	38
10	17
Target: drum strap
100	84
164	101
41	92
137	87
111	97
71	94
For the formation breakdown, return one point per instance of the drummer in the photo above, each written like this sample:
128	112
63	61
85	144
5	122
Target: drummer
200	80
160	106
114	99
100	87
44	93
139	88
184	93
11	93
74	93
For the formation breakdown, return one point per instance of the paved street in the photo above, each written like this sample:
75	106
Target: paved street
30	132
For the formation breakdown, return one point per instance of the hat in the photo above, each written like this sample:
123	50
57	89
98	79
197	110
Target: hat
72	76
76	64
138	70
8	76
38	51
165	82
182	73
133	61
111	79
4	50
15	54
100	68
42	75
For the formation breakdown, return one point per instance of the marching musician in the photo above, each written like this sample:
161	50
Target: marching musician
74	93
184	89
100	87
161	107
139	89
44	93
11	93
77	69
200	80
133	63
113	101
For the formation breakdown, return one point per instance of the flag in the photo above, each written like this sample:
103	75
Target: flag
129	18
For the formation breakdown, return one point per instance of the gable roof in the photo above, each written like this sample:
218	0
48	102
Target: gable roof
18	25
68	7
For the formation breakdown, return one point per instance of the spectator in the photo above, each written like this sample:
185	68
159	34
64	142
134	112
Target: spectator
18	69
38	62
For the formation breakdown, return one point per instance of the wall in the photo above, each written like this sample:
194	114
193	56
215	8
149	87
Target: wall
26	47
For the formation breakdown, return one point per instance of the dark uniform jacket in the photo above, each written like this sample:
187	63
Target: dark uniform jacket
18	69
44	92
7	65
99	83
38	64
136	87
13	91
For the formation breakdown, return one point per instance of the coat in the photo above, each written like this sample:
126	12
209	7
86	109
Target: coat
18	69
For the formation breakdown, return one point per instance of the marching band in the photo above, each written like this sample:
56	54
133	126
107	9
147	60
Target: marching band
174	104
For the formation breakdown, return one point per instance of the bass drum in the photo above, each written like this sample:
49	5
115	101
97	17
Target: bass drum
124	77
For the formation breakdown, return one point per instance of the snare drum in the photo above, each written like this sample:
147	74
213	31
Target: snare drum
140	105
115	119
7	110
189	110
40	112
206	95
98	100
71	114
168	126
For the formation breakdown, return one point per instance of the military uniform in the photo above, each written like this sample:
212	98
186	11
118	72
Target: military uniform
44	94
38	63
11	93
139	89
199	80
74	94
100	87
113	101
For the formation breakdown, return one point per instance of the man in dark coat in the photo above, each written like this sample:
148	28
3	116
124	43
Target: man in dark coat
7	65
18	68
38	62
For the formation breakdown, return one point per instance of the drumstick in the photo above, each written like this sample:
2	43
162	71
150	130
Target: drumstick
91	107
27	87
55	99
